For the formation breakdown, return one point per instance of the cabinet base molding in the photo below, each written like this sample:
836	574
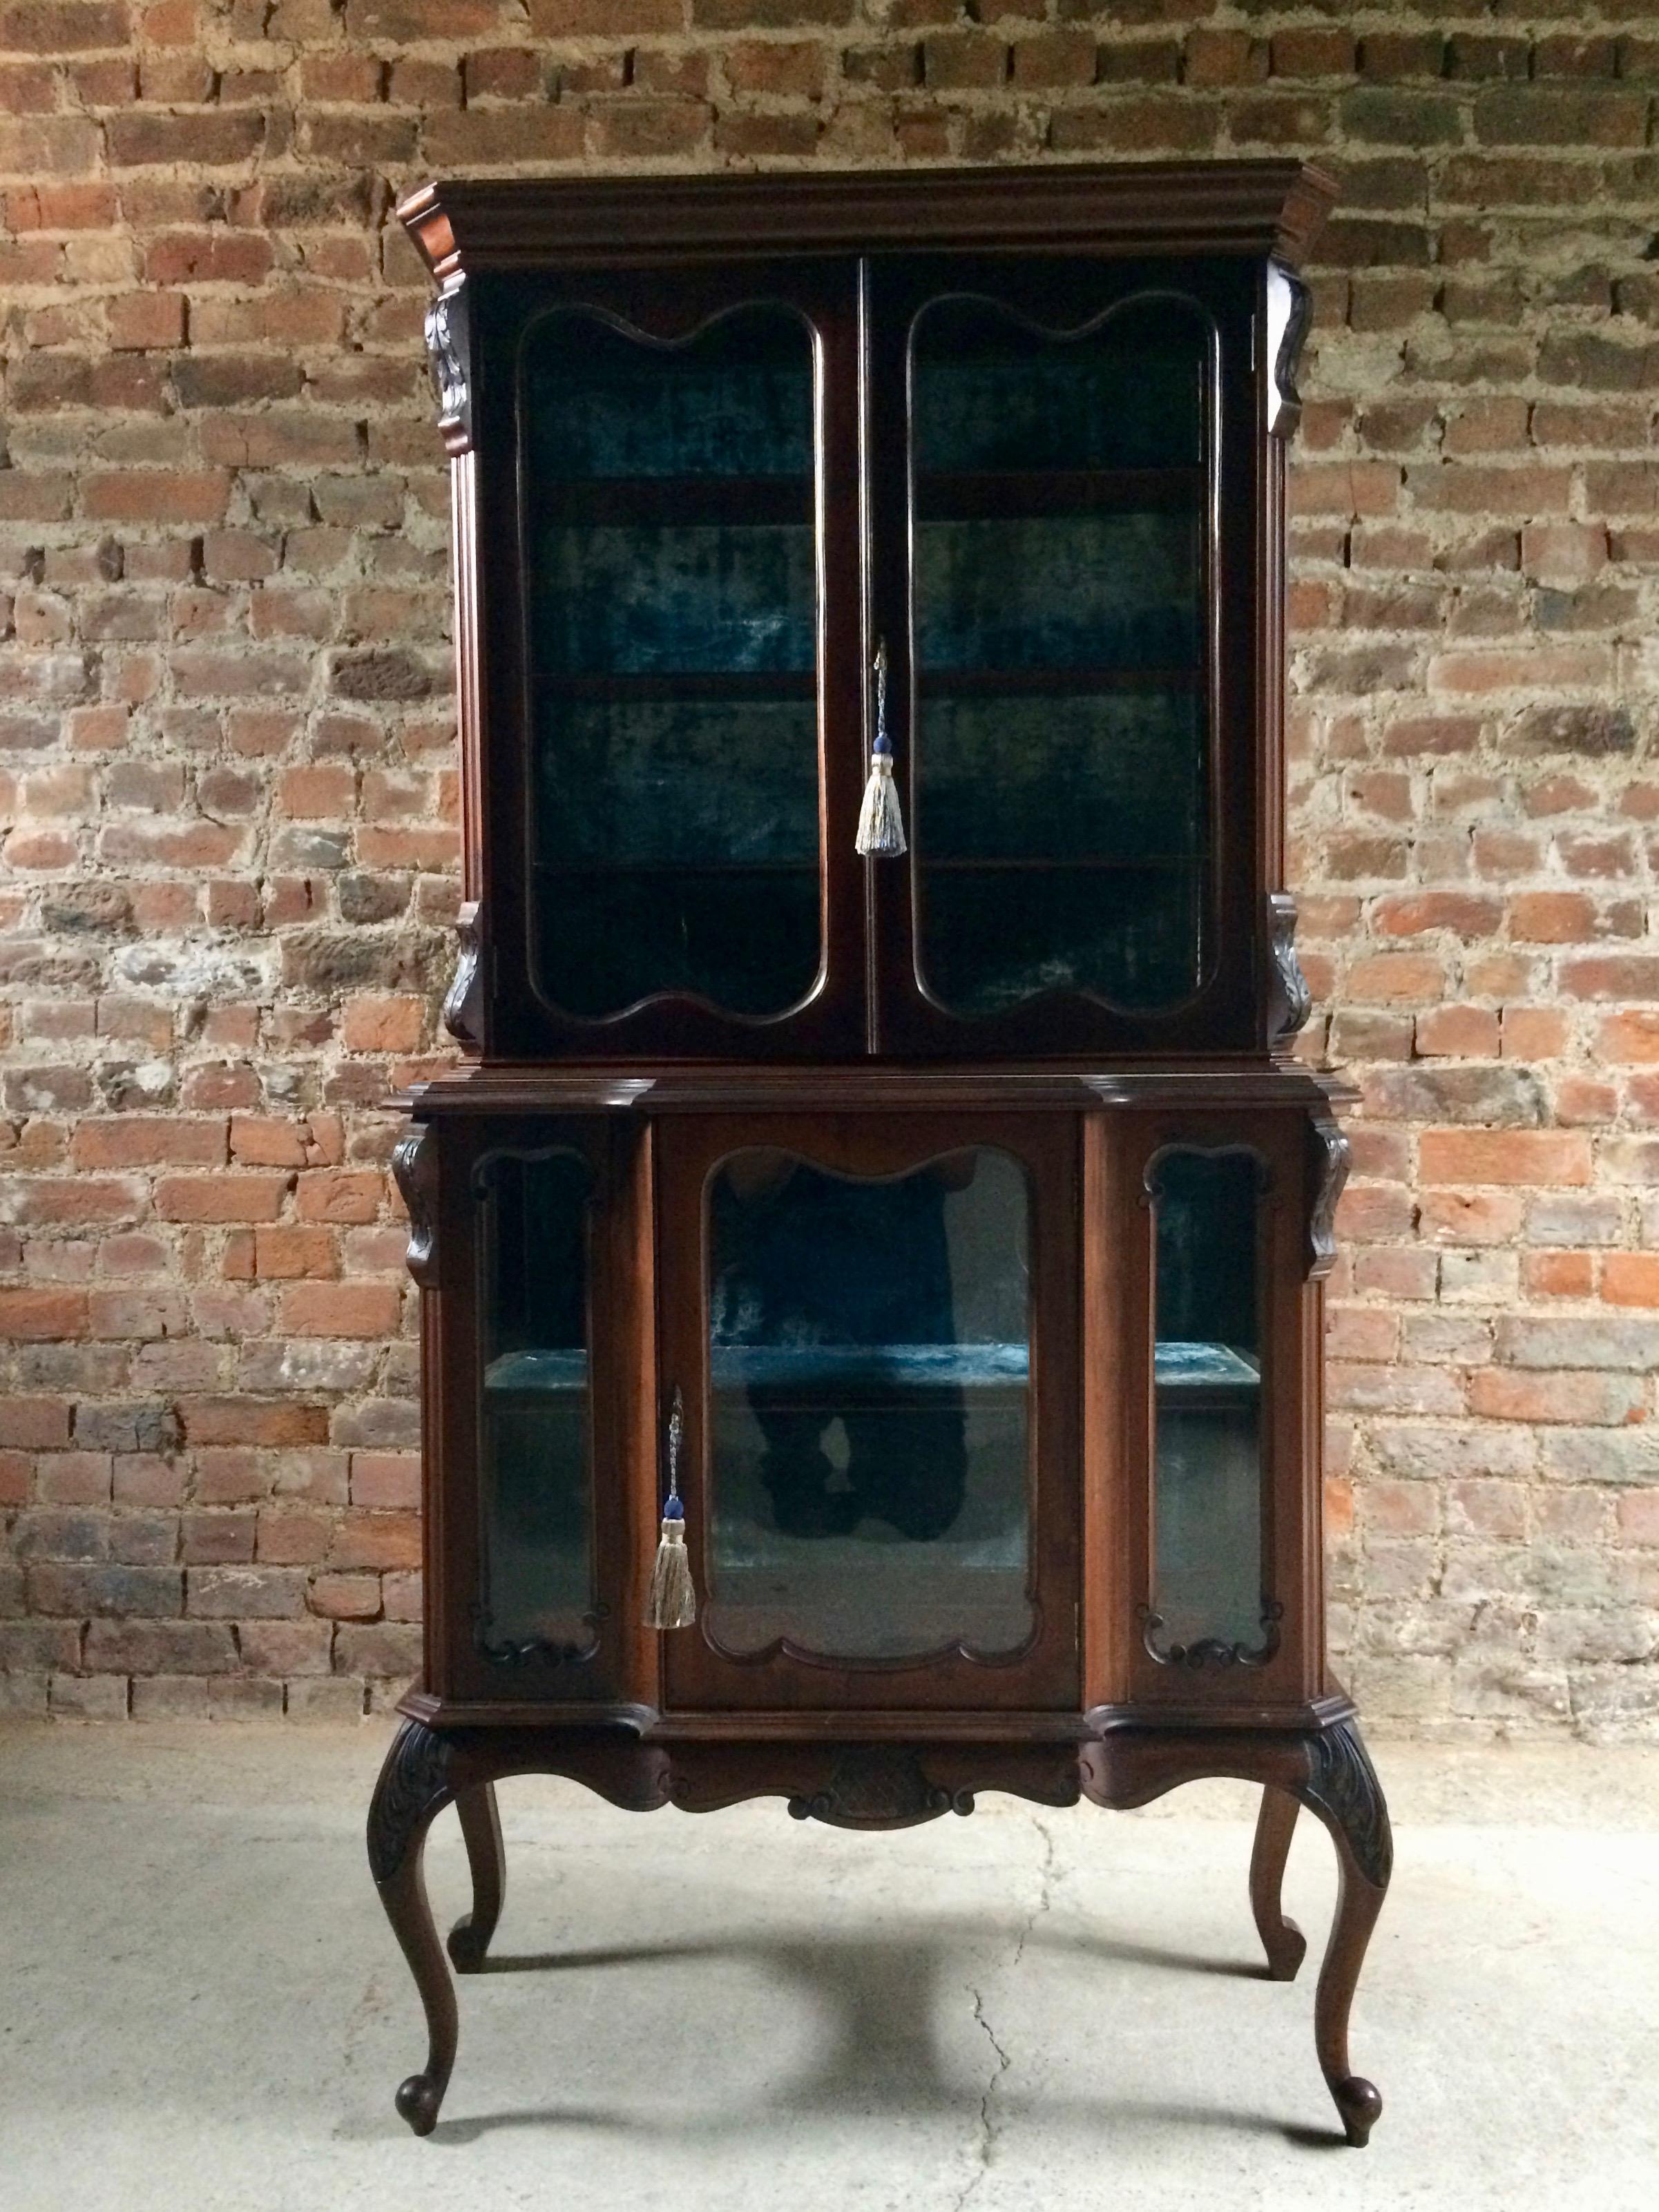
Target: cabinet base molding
876	1783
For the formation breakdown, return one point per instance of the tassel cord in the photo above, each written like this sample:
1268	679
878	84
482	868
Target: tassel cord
672	1600
881	823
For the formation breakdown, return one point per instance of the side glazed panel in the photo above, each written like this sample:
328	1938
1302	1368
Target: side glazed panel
873	1327
1220	1457
1208	1604
538	1468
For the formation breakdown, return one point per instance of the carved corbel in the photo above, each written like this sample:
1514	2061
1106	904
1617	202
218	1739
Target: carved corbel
1331	1156
1290	1001
415	1170
462	1008
1287	316
446	346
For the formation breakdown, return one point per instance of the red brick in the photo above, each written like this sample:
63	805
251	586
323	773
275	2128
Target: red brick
62	26
221	1198
385	1478
139	1140
1631	1038
383	1024
340	1195
1631	1278
37	1316
1559	1274
1541	1157
367	1309
157	495
242	1420
1499	1394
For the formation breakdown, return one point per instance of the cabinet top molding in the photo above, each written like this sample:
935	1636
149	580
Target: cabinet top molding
1247	207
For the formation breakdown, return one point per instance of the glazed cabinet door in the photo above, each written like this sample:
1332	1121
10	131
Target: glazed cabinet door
1211	1594
669	534
869	1327
538	1411
1064	462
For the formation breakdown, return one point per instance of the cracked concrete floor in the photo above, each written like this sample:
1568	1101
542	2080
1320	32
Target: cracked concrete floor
202	2009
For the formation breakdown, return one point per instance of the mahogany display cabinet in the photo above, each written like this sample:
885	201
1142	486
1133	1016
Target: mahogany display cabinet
903	1239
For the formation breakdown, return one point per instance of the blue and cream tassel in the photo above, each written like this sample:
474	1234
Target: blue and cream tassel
881	825
672	1601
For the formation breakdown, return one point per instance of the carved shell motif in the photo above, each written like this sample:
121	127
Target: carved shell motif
878	1786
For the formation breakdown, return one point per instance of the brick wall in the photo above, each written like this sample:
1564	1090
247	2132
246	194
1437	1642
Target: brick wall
227	780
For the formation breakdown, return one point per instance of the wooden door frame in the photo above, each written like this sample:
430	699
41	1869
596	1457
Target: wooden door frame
1045	1677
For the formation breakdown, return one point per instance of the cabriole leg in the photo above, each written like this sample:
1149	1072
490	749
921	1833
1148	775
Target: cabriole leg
1283	1941
414	1787
481	1826
1342	1788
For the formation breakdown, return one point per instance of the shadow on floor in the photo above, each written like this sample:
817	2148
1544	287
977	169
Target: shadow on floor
880	2004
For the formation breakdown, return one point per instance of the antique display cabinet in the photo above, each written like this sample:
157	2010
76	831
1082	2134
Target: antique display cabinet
939	1229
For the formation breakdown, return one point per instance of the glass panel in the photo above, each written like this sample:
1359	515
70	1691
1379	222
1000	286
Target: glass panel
870	1413
672	627
1207	1575
1061	787
535	1485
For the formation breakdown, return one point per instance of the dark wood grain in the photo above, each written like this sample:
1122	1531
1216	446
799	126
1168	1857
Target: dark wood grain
1281	1939
869	1075
486	1857
1255	208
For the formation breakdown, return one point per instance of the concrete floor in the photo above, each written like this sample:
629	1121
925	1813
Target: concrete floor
202	2009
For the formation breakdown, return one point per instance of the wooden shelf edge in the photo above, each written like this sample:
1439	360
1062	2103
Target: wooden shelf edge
533	1087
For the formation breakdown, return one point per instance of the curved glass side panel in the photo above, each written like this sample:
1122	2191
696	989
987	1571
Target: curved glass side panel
535	1480
1207	1602
869	1420
672	622
1059	500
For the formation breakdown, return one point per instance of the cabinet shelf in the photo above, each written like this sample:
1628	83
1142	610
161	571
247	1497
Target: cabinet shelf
1068	683
988	494
1085	865
683	501
846	1368
738	685
721	683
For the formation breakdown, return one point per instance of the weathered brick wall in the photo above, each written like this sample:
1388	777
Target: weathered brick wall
228	794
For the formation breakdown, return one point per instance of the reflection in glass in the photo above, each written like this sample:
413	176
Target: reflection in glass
1207	1571
535	1485
672	629
1060	787
870	1418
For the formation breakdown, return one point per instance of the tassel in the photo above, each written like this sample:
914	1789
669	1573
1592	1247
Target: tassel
672	1602
881	825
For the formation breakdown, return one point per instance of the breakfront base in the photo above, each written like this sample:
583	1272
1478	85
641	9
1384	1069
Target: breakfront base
881	1785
